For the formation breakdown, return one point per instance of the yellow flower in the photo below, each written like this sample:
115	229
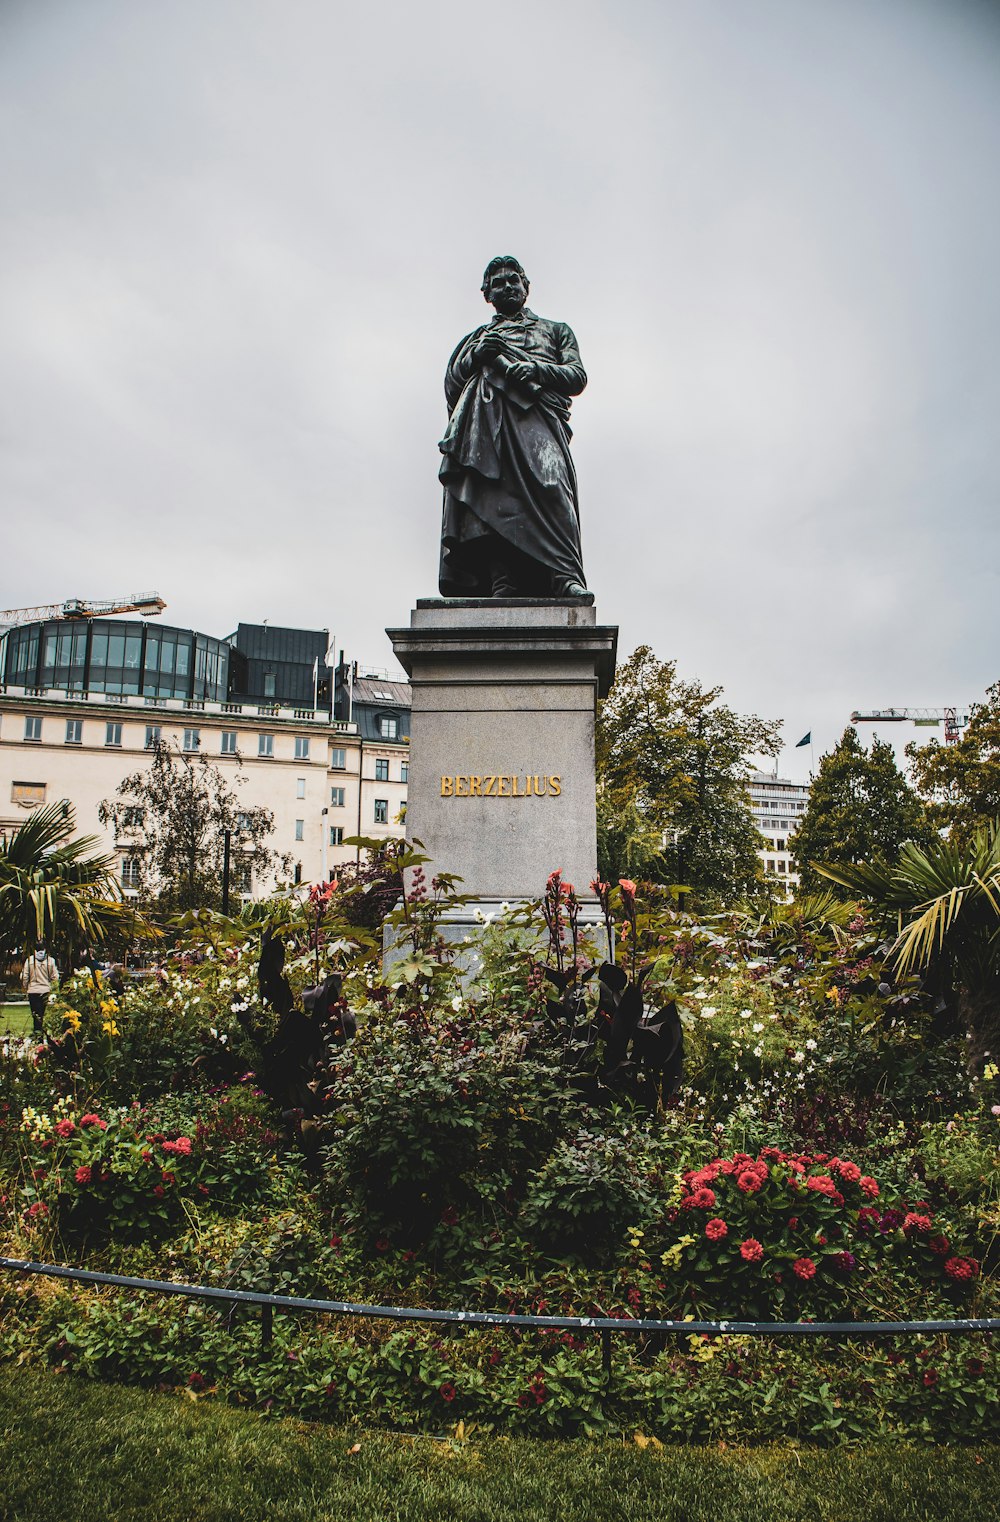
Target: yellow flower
108	1008
72	1019
110	1028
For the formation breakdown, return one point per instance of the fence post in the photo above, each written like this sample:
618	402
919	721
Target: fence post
266	1325
606	1356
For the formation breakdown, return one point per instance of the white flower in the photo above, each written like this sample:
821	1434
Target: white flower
708	1011
757	1027
699	993
758	1051
456	1003
799	1057
810	1045
746	1014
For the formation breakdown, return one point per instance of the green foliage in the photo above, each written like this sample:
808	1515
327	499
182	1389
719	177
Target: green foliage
860	806
55	888
946	901
961	782
590	1187
672	767
173	816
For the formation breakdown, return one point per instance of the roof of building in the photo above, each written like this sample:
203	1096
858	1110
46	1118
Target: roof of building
380	691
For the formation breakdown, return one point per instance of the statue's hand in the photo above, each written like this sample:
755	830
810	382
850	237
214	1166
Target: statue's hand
522	372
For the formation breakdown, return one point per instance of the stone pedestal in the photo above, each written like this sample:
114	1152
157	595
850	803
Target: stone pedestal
501	782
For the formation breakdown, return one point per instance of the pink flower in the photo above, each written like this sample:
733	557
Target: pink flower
83	1174
752	1251
65	1128
183	1146
716	1230
804	1268
93	1120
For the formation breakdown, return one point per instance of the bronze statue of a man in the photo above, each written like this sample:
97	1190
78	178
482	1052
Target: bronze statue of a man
511	525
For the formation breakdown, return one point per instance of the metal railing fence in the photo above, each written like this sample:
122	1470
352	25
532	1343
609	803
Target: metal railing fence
604	1326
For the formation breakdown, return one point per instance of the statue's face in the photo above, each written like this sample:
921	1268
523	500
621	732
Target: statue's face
507	290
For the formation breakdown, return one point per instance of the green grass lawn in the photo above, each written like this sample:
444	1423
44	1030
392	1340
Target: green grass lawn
73	1452
15	1018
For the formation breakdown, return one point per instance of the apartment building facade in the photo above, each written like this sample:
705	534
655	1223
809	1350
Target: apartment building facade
72	729
778	804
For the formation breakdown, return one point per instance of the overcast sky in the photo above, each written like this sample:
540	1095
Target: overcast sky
241	238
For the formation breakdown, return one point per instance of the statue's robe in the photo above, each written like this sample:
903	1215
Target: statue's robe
507	468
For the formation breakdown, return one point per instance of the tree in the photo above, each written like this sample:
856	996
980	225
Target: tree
944	902
961	782
173	817
860	807
672	768
55	888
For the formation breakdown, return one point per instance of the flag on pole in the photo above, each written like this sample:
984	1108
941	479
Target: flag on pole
806	740
315	667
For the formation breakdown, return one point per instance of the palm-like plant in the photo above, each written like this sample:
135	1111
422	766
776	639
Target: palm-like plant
945	899
53	887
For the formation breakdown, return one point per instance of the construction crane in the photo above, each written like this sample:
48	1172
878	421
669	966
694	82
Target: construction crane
954	722
149	604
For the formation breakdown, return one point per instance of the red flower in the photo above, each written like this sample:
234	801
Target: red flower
716	1230
822	1184
449	1217
894	1358
804	1268
183	1145
168	1178
159	1191
83	1174
702	1199
850	1172
868	1186
793	1221
961	1269
382	1244
930	1378
447	1391
912	1222
627	886
197	1381
65	1128
525	1400
752	1251
749	1182
93	1120
975	1367
939	1245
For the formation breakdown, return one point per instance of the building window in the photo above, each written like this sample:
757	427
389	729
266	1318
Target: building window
32	729
336	834
74	731
381	811
388	727
300	787
242	823
112	733
265	745
338	759
229	742
337	797
27	792
404	771
130	873
300	829
779	844
244	880
152	735
269	684
781	866
302	747
192	739
381	771
298	872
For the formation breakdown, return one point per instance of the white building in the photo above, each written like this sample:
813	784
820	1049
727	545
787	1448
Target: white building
325	778
778	804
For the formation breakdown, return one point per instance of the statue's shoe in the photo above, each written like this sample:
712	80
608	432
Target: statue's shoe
576	589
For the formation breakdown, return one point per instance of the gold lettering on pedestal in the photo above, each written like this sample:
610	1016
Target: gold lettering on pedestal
509	786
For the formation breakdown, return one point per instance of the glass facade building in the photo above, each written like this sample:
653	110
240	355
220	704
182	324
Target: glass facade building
119	656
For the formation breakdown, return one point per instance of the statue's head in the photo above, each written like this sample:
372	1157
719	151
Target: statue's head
505	285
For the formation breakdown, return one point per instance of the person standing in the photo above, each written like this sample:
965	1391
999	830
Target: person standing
39	979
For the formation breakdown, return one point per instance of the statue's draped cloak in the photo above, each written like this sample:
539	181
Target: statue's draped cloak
507	465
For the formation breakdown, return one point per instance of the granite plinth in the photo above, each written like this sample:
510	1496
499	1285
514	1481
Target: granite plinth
501	782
